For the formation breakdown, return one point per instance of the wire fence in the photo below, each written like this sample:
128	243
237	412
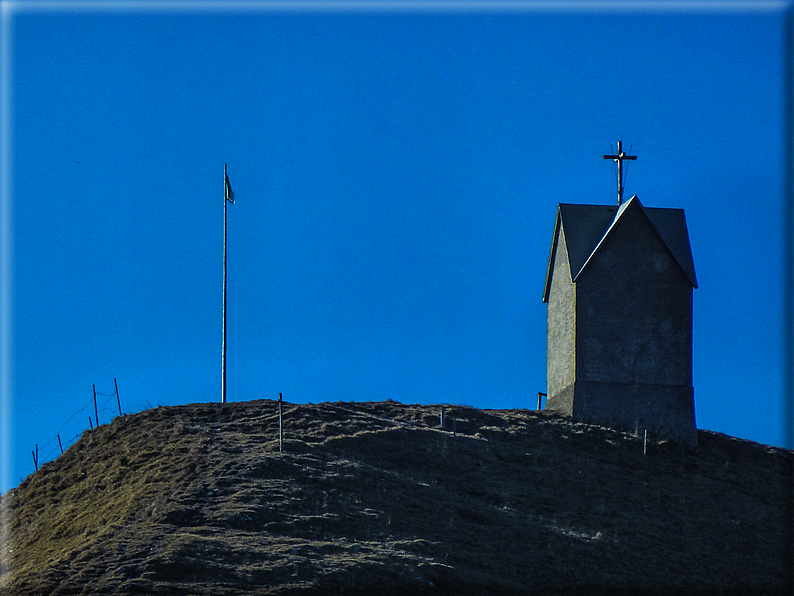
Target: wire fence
107	410
111	406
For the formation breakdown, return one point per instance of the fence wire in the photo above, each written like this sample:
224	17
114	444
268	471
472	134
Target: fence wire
58	444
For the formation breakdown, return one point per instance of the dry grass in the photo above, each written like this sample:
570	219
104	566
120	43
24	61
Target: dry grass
375	498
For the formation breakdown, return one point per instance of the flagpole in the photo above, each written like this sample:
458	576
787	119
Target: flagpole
223	381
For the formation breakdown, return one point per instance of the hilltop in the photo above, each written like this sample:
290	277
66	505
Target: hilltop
377	498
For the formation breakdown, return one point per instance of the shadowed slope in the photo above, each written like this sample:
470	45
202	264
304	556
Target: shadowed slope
371	497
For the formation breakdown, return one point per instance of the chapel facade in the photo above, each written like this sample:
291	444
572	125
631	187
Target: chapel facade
619	289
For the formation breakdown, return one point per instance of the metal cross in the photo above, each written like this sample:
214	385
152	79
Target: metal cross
619	159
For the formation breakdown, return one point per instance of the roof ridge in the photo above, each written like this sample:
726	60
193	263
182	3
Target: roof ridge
621	210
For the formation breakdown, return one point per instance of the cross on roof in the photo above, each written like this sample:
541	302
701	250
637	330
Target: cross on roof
619	160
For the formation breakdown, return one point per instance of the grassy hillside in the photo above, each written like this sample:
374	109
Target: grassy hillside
375	498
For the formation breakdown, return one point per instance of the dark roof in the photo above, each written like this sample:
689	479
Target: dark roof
587	226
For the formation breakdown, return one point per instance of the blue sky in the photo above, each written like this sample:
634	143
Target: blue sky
397	170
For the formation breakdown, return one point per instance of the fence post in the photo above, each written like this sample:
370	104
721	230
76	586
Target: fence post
90	424
443	417
117	395
454	427
59	444
280	424
645	442
36	457
96	413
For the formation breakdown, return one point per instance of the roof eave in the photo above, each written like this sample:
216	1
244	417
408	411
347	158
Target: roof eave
552	255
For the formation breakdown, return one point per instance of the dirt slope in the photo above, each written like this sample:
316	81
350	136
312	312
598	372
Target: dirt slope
375	498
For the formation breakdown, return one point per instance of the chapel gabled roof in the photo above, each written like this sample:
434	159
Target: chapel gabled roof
586	227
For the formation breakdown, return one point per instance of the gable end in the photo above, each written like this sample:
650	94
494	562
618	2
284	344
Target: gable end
675	238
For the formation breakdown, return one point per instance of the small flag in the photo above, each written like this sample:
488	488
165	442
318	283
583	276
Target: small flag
228	189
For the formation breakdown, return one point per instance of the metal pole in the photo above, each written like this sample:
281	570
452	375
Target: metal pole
540	394
60	444
223	350
620	173
280	424
117	395
96	413
443	417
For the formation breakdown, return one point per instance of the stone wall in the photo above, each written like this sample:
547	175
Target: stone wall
561	352
663	410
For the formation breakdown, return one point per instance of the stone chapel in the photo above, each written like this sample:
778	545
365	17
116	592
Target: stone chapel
619	291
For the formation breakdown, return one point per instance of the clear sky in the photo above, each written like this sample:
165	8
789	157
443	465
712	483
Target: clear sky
397	170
